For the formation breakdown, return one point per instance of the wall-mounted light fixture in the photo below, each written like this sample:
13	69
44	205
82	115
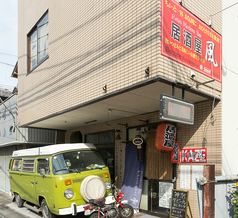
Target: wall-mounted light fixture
105	89
91	121
123	124
118	136
147	72
138	130
210	21
144	121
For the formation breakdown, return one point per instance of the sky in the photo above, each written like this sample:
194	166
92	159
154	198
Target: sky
8	42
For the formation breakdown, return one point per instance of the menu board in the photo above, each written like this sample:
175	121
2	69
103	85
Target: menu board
179	202
165	193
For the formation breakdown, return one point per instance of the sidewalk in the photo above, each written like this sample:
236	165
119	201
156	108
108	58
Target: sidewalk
8	212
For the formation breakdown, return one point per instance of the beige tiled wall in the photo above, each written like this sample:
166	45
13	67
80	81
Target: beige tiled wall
202	135
93	43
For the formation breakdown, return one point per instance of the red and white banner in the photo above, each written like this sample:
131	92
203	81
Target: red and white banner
189	41
196	155
175	153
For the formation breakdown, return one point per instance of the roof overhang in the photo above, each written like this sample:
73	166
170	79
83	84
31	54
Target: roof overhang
137	99
15	71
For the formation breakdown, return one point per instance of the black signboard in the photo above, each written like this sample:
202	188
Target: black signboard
176	110
179	203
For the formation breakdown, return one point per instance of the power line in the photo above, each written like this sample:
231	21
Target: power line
7	64
8	54
225	9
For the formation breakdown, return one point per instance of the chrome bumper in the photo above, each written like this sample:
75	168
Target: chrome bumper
74	209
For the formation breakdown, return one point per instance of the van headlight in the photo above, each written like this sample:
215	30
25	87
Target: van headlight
108	185
68	194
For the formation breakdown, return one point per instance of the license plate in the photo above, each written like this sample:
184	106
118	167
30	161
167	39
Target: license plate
87	212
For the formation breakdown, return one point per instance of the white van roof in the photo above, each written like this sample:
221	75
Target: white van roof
51	149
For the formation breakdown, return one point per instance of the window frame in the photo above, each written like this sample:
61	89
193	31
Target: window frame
15	162
47	172
29	50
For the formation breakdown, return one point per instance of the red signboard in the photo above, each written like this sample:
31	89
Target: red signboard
189	41
196	155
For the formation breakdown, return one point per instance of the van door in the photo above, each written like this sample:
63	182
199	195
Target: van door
44	184
15	171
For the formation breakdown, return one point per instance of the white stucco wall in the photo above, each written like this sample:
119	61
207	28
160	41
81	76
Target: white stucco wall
230	87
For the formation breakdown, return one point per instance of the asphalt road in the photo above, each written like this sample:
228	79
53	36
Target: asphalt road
9	209
14	211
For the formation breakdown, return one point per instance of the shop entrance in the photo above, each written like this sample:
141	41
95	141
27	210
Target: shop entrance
160	174
105	143
159	197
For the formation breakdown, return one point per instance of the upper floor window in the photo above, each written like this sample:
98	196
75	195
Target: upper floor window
38	43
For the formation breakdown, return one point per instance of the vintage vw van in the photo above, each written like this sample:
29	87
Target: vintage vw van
58	179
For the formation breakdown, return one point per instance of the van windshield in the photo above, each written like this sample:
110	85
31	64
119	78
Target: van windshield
77	161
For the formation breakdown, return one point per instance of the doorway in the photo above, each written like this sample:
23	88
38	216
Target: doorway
105	143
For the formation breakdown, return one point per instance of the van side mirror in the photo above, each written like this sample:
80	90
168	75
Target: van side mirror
42	172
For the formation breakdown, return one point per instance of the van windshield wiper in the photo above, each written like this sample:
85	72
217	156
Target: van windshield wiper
71	170
63	169
76	171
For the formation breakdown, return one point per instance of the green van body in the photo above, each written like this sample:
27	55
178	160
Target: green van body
53	185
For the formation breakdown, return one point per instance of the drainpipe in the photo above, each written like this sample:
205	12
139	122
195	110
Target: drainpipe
209	191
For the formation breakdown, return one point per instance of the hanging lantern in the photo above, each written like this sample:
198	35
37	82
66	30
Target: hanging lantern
165	137
175	153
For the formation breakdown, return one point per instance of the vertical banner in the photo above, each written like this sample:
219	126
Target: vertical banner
133	176
189	41
175	153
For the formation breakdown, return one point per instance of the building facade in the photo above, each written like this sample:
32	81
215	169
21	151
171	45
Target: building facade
96	69
229	88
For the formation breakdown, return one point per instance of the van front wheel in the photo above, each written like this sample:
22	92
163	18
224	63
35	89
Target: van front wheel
45	210
19	200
